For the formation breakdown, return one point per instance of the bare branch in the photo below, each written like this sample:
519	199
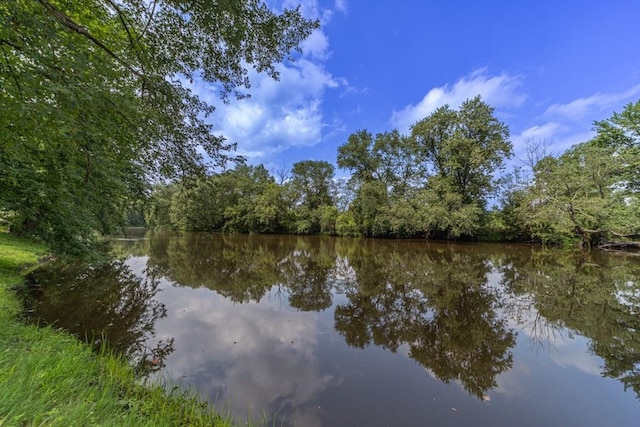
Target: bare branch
534	151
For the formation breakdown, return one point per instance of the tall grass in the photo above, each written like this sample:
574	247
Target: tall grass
48	378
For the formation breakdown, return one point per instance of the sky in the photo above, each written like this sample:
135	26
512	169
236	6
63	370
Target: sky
549	68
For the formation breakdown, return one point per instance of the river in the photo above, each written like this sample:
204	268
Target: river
322	331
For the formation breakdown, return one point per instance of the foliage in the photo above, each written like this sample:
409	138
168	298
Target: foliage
96	101
311	183
461	151
588	194
387	157
463	148
97	104
435	181
346	225
621	133
158	206
369	207
310	192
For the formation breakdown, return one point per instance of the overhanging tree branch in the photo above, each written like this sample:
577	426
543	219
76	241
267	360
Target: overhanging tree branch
71	24
149	21
122	19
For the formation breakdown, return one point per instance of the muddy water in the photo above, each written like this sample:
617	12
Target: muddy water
317	331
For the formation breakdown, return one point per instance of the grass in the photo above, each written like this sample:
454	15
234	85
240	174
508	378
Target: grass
48	378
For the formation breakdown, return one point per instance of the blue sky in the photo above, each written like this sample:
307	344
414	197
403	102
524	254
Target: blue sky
550	68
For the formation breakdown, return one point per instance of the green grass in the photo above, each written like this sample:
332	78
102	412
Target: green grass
48	378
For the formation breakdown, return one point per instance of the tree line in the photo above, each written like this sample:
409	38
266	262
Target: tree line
97	106
446	179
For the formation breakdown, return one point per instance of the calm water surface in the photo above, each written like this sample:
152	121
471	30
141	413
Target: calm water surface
317	331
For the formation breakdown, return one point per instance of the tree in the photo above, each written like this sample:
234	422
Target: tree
312	181
387	158
96	101
460	153
384	179
357	156
464	147
587	195
436	181
244	199
243	189
310	188
578	196
370	208
158	207
621	133
270	210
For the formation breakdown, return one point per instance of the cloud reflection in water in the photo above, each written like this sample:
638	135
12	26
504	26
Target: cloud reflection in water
261	354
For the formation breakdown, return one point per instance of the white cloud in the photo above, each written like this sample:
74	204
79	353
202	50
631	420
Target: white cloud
575	353
316	46
545	133
556	138
341	6
499	91
280	114
581	108
311	9
571	123
514	382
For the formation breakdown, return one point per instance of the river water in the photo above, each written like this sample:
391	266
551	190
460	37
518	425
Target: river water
321	331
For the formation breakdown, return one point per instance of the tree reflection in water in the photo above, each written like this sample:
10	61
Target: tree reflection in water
594	295
435	303
452	308
103	305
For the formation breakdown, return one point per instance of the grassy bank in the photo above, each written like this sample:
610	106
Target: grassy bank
49	378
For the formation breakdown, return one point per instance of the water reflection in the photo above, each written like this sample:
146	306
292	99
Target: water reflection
597	297
242	270
292	328
257	357
105	304
437	304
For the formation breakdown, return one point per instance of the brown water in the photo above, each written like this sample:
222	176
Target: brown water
314	331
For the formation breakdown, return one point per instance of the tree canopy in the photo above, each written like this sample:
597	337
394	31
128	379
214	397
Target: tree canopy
588	194
435	181
97	101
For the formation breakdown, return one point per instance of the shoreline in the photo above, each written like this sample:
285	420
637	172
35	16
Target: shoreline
49	377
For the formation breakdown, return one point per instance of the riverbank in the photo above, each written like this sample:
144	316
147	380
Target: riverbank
47	377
